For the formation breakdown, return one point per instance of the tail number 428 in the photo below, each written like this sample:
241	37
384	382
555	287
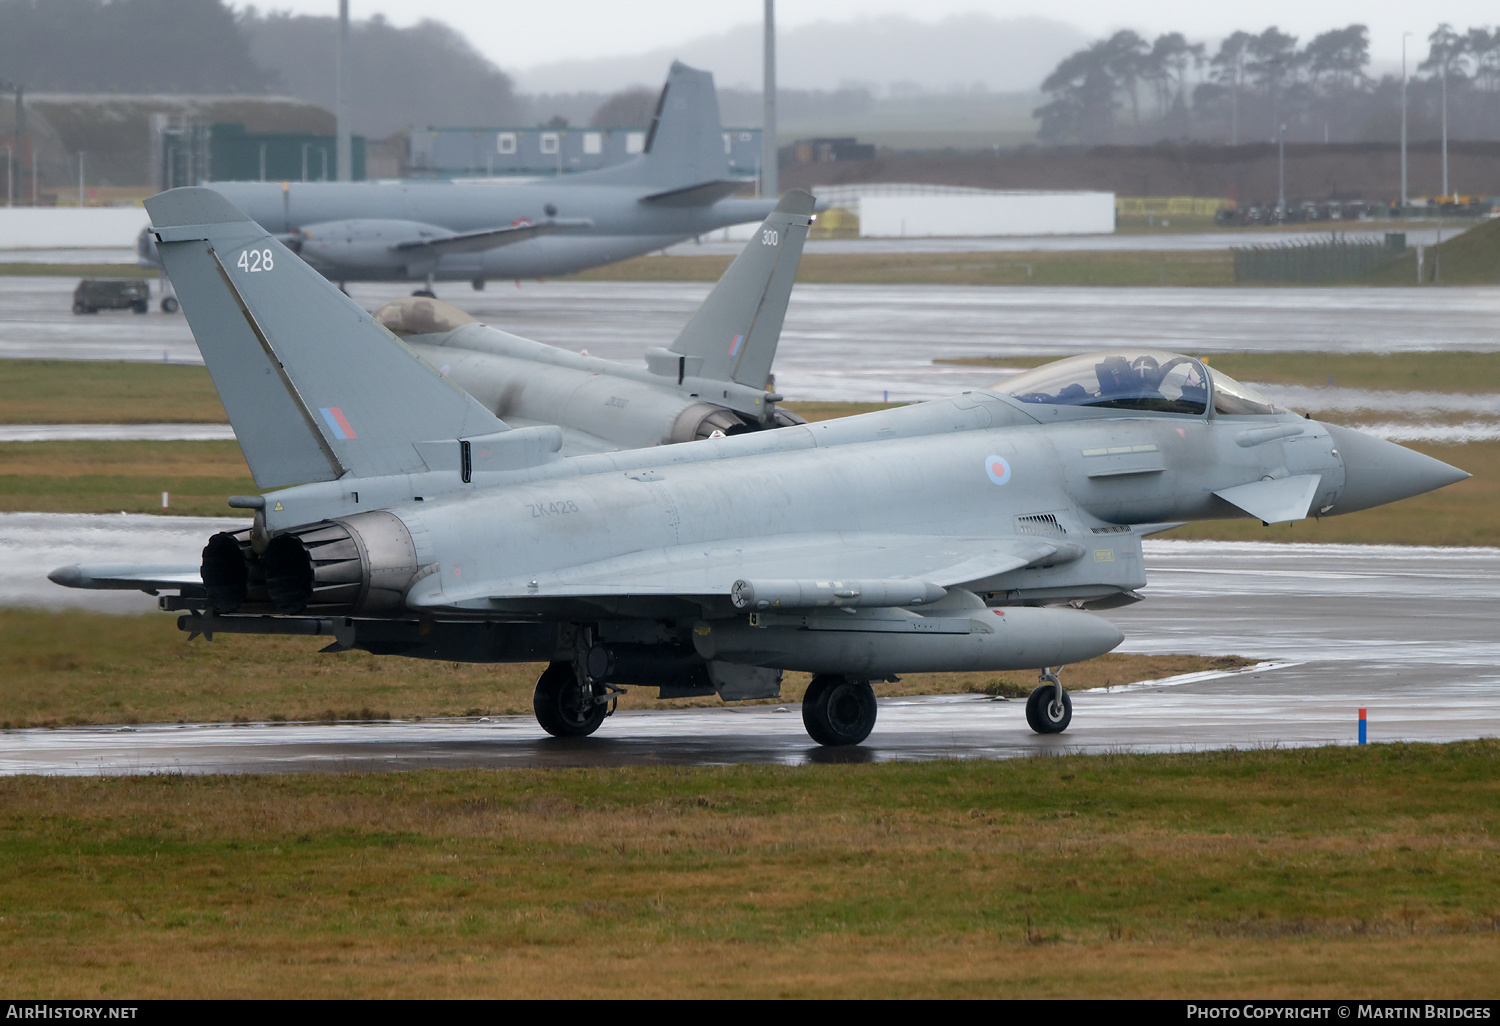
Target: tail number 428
253	260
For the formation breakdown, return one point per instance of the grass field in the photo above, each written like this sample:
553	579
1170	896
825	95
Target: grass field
71	668
110	477
114	477
1472	258
1144	267
29	270
106	392
1463	372
1273	874
122	477
101	392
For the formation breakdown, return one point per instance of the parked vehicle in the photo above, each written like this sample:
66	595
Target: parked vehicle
95	294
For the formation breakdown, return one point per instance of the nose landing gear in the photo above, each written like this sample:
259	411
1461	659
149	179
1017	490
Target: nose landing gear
1049	710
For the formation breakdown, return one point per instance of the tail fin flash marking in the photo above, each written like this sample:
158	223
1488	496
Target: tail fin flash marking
734	346
338	422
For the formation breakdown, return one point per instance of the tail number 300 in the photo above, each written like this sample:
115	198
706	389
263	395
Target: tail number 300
253	260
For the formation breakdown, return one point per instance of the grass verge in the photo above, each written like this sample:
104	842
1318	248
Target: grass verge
1266	874
106	392
1134	268
1399	372
110	477
115	477
72	668
47	270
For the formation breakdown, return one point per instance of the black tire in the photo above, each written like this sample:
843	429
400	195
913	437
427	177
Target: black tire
168	304
838	711
78	306
140	306
1041	716
559	703
425	293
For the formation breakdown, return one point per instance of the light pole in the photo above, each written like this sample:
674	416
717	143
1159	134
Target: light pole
768	157
1445	123
1281	175
1404	36
345	152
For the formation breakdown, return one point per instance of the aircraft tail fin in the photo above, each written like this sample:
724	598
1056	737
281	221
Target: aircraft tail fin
314	387
733	335
685	145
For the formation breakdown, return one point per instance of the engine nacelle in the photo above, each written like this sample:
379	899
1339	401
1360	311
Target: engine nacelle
360	565
364	244
701	420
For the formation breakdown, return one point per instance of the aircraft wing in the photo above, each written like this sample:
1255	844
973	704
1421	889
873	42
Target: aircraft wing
883	569
489	238
703	194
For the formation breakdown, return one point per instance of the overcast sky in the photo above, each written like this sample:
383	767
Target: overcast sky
521	35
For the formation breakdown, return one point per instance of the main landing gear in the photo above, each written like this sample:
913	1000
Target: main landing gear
1049	710
567	704
838	711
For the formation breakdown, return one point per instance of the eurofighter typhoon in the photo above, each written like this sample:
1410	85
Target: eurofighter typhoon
701	386
495	229
973	533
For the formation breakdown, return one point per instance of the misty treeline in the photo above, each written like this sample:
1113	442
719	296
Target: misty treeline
1126	89
400	76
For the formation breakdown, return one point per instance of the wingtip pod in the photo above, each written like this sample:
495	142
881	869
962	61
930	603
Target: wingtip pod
191	205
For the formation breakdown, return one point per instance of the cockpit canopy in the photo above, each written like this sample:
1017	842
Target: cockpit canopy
1148	380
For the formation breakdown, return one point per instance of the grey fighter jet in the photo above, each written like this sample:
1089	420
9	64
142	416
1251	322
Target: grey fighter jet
711	381
427	231
972	533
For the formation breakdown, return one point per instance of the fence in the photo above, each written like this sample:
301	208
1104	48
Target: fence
1312	262
1178	206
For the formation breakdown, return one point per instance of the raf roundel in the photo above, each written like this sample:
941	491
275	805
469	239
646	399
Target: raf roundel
997	469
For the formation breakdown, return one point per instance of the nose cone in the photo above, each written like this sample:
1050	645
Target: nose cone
1377	471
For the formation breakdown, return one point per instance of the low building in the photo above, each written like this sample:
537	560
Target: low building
471	152
896	210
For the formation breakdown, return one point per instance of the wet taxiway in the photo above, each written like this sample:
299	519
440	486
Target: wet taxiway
1288	706
854	342
1407	633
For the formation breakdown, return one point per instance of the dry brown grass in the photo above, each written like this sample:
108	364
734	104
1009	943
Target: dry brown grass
1134	268
1306	873
91	668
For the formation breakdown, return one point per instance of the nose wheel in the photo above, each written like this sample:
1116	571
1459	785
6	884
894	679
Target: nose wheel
1049	710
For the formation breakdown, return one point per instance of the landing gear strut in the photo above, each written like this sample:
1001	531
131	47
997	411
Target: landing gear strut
1049	710
426	291
567	704
838	711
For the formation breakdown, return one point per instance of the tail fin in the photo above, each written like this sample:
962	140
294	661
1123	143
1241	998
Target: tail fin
735	331
314	387
685	146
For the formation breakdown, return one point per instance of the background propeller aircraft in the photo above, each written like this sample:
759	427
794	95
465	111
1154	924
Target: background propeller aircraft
402	517
427	231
